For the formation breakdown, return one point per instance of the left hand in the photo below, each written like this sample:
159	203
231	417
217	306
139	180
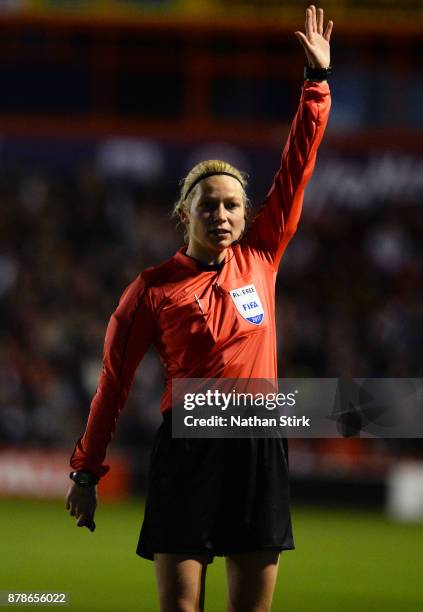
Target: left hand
314	41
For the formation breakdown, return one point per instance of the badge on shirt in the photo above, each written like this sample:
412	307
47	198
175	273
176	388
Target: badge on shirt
247	302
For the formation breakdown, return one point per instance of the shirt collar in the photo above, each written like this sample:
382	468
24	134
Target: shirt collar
193	264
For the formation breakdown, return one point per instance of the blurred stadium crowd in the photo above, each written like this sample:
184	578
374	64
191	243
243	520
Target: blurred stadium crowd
77	228
349	295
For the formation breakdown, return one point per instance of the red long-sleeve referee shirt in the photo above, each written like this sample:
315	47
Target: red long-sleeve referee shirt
208	324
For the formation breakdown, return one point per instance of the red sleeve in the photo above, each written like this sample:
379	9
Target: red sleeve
277	219
128	336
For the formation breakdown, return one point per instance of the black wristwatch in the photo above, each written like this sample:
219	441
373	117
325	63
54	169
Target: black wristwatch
317	74
84	479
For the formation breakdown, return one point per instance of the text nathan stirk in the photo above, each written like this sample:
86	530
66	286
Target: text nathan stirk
251	421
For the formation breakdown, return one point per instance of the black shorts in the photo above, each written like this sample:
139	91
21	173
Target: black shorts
216	496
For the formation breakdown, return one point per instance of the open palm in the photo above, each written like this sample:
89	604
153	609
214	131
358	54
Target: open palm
316	42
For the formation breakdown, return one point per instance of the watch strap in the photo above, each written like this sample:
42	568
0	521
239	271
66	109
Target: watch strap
317	74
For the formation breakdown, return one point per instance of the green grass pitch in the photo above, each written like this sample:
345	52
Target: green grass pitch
346	561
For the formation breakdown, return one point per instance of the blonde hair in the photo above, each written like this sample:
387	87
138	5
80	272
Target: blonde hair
208	167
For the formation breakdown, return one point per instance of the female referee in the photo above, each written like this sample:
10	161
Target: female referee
211	497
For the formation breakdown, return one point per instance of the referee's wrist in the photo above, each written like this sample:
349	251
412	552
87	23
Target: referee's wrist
317	74
84	478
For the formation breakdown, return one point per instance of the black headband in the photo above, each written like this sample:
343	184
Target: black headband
206	175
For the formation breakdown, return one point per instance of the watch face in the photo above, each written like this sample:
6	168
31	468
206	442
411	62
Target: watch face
83	478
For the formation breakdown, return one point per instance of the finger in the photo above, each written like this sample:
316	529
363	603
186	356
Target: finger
313	17
328	31
86	521
82	520
303	40
309	24
320	16
78	512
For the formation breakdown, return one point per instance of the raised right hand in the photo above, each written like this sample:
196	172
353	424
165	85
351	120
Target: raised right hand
316	40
